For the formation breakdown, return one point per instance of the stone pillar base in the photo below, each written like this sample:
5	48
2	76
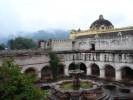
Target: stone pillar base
102	73
66	72
88	71
118	76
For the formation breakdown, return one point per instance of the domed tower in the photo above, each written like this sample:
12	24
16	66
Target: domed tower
101	24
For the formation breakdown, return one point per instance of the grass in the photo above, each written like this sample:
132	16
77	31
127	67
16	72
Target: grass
86	85
83	85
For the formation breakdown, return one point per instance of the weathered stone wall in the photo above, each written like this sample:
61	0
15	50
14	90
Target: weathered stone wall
116	43
100	43
28	60
61	45
33	61
115	59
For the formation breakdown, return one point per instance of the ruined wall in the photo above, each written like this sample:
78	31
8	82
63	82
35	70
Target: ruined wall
61	45
117	43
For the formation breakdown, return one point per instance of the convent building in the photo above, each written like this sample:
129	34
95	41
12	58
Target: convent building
102	51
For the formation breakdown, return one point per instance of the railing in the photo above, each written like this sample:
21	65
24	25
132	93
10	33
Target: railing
102	57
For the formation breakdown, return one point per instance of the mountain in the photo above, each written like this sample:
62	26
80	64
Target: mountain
50	34
39	35
4	39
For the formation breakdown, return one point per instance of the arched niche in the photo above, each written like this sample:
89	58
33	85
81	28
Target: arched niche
109	72
95	70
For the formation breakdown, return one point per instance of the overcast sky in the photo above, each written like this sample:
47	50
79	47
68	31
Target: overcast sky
33	15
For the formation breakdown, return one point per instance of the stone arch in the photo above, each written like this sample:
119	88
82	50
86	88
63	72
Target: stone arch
127	73
125	66
83	68
46	73
71	66
95	70
109	72
80	65
31	71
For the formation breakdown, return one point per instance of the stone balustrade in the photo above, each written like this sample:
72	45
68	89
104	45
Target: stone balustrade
102	57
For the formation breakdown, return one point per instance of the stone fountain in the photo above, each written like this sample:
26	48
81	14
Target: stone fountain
77	89
76	81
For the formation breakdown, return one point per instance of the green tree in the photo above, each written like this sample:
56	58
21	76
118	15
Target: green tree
21	43
17	86
54	63
2	47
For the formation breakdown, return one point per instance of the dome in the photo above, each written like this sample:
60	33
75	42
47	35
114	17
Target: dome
101	24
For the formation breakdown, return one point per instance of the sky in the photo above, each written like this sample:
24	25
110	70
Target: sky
33	15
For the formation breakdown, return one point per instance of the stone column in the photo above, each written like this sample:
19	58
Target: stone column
39	74
118	75
66	71
102	73
89	70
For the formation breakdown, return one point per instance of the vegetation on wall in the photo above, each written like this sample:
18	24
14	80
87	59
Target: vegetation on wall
17	86
54	64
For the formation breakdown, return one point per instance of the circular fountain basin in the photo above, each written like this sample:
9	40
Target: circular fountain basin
63	90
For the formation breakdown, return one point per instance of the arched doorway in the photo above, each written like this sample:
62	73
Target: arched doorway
30	71
109	72
127	73
46	73
95	71
72	66
80	66
83	68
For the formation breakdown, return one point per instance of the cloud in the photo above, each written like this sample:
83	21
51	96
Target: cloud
9	21
32	15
